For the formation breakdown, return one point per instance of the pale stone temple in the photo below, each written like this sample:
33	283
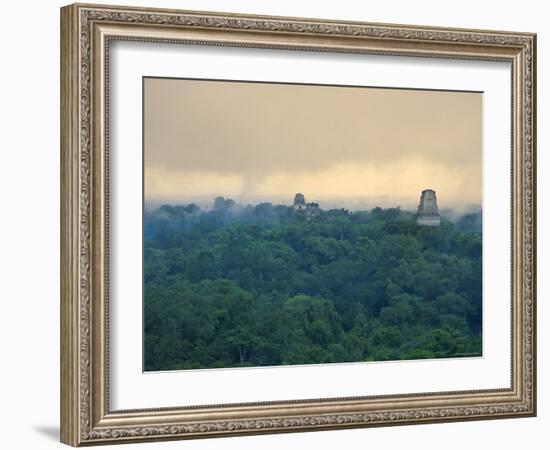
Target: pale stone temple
428	213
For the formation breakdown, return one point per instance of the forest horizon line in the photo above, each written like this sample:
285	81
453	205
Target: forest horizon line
207	203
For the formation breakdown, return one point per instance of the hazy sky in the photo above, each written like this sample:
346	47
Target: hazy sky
257	141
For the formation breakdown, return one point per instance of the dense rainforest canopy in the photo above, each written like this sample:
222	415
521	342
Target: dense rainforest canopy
266	285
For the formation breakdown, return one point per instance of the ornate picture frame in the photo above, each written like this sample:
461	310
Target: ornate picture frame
87	31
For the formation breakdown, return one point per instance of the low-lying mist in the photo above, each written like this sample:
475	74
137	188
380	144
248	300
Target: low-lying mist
226	211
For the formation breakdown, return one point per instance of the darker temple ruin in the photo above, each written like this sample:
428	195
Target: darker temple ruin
310	209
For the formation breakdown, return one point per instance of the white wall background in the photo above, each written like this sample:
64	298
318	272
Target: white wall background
29	224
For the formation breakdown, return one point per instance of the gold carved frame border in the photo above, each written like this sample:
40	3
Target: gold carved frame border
86	31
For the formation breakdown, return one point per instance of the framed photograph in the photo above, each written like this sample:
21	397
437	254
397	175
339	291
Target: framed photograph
274	224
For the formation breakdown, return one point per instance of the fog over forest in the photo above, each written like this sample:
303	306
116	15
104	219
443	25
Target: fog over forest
246	203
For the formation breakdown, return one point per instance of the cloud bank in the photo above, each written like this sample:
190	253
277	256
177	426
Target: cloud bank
243	140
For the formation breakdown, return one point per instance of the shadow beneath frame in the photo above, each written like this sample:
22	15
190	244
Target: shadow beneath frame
49	431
